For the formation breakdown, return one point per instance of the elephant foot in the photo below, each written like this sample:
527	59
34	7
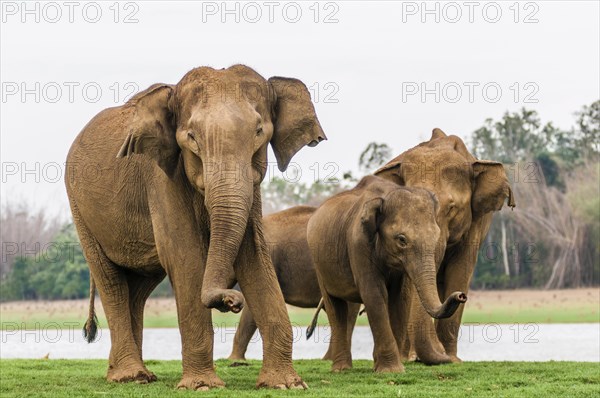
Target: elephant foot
455	359
434	358
236	357
387	362
398	368
201	382
280	380
224	300
124	374
340	366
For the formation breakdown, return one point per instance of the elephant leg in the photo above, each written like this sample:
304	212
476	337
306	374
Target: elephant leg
182	250
448	329
422	333
455	275
195	325
124	363
195	321
329	354
140	288
385	352
399	310
256	275
353	309
243	335
337	314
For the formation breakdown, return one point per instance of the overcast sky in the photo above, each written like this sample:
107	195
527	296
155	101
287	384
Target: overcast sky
366	63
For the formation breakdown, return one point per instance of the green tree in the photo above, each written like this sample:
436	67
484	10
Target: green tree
17	285
58	271
373	156
548	240
588	130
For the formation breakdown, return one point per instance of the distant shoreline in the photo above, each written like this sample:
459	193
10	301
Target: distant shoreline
497	306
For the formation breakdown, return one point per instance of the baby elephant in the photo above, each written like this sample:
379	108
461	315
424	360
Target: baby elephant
363	243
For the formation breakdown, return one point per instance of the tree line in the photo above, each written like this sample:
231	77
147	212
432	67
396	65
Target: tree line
552	239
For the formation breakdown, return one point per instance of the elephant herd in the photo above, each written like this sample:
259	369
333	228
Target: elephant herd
403	242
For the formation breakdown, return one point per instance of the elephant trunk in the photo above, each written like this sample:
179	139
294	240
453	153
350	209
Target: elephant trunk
228	200
426	285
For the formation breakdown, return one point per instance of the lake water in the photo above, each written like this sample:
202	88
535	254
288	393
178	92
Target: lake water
491	342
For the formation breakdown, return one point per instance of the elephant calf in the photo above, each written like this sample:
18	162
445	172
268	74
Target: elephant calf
285	234
363	243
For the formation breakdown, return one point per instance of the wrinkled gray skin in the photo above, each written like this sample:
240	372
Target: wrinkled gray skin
188	206
285	233
364	243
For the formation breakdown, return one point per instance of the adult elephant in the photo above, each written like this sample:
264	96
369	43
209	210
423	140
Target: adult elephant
285	234
469	191
189	208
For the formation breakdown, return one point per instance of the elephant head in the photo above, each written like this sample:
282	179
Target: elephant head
213	127
466	188
402	241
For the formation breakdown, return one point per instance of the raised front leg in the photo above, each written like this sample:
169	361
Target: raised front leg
243	335
256	275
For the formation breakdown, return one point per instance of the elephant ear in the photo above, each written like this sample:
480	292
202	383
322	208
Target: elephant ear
371	217
151	130
392	171
294	119
437	133
490	187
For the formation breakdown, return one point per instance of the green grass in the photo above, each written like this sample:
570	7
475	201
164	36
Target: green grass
85	378
582	314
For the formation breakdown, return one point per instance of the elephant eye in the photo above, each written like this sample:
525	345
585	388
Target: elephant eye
259	131
451	206
193	143
402	241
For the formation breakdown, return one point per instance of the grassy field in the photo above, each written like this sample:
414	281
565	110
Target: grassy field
84	378
508	306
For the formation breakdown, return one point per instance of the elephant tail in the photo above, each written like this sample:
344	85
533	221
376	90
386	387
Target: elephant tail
313	324
90	328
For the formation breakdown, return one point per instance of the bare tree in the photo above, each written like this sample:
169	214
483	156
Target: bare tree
23	231
545	214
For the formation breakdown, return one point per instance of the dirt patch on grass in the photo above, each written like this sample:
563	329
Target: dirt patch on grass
567	298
